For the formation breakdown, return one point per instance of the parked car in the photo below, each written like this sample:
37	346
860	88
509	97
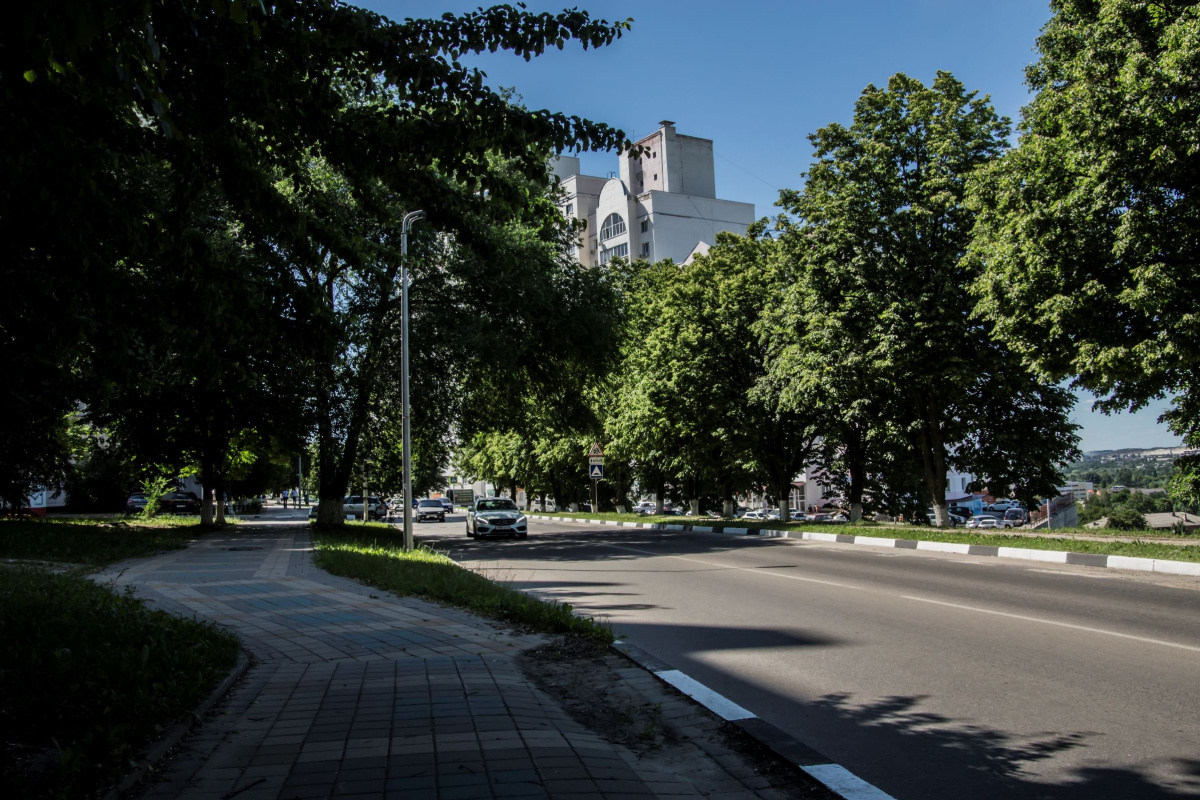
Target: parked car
135	503
180	503
353	507
496	516
430	509
839	518
773	515
755	514
982	521
645	509
819	518
1016	516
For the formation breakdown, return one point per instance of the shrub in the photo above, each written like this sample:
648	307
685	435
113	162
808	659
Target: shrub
1125	518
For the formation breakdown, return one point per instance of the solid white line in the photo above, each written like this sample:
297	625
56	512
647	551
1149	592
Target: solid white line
718	704
1084	628
846	783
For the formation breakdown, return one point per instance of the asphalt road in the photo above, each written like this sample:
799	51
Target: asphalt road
929	675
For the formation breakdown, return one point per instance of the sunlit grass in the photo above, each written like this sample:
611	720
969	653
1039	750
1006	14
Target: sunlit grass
94	542
376	557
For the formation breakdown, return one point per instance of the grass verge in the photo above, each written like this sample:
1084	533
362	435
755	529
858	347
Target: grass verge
1136	549
674	520
374	554
89	678
93	542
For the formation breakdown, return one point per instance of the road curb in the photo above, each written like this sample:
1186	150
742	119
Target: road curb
833	777
171	736
1159	565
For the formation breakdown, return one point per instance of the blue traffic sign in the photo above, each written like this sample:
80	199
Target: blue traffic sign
596	471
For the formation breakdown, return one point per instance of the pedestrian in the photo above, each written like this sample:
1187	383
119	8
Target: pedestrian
295	498
285	498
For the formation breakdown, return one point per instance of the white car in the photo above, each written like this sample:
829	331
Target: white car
353	507
756	515
496	516
982	521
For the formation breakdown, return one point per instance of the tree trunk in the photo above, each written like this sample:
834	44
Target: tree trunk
207	479
660	487
219	491
933	458
785	502
857	478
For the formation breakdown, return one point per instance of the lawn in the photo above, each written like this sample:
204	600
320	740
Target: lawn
374	554
89	675
94	542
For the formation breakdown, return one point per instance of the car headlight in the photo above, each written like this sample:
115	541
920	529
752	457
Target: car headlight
521	520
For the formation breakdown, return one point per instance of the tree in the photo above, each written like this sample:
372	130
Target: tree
880	230
238	101
1087	232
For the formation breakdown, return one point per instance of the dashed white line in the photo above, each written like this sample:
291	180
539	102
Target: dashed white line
1042	621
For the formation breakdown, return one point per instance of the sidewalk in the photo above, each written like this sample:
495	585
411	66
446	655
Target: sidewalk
357	693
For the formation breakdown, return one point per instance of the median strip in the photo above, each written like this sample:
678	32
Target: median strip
1158	565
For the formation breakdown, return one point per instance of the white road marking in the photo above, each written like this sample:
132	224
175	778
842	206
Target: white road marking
846	783
718	704
754	571
1039	620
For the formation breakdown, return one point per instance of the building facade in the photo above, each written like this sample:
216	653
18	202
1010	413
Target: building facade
661	204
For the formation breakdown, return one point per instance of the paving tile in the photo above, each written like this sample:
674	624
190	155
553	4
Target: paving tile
358	693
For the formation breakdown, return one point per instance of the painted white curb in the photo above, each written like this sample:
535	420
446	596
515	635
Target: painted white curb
1163	566
874	541
1053	556
846	783
718	704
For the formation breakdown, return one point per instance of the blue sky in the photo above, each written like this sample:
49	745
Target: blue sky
758	76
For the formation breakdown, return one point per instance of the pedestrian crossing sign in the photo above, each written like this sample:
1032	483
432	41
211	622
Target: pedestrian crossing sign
596	471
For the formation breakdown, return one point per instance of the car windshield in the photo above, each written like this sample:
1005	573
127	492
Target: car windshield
496	505
431	503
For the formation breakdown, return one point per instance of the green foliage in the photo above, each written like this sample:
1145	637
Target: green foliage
199	210
881	297
1126	518
1086	233
154	487
91	677
376	557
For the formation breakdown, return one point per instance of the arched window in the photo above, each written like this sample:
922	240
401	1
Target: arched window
613	226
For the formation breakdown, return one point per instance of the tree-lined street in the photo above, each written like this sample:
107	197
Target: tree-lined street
931	676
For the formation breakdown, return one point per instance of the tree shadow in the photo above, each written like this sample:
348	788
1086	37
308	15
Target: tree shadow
961	758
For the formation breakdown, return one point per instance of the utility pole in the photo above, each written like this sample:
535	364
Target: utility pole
409	219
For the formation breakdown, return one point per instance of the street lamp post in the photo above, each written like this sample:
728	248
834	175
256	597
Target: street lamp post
409	219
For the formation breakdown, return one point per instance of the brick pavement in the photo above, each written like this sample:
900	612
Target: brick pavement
357	693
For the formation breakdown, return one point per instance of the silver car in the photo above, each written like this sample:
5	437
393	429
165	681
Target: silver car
496	516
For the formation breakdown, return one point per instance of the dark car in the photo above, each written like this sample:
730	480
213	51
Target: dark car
446	504
180	503
135	503
430	509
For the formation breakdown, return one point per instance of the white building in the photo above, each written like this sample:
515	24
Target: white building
662	204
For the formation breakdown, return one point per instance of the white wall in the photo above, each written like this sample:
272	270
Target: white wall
678	222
